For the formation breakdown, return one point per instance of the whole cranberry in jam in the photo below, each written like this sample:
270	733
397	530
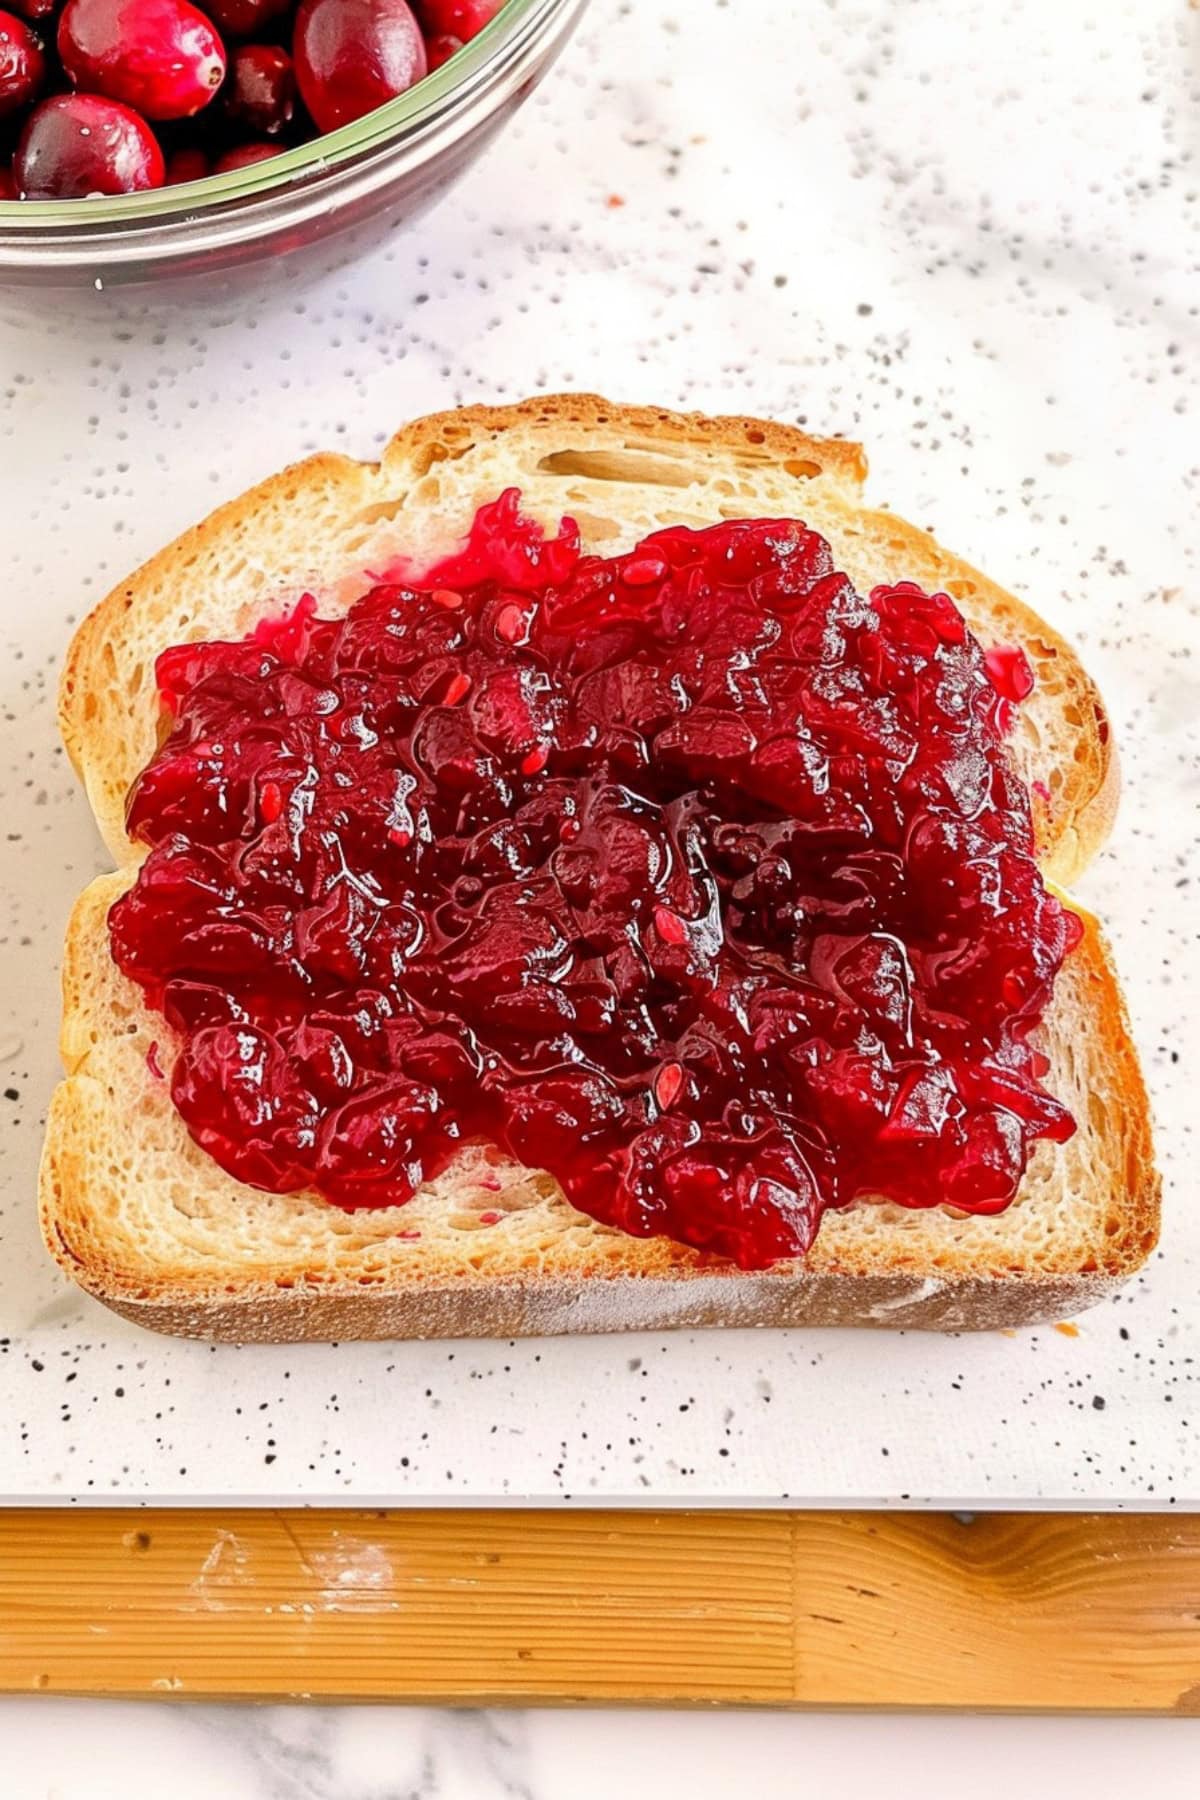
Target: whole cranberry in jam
22	65
74	145
690	875
354	55
261	91
162	57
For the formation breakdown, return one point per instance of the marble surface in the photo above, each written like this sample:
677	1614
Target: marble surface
86	1750
966	233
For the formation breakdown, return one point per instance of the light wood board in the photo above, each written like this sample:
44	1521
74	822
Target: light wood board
1023	1611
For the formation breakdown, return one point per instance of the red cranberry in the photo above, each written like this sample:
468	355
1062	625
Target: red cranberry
186	165
353	55
79	144
245	18
243	156
161	56
457	18
261	91
22	65
440	49
34	9
8	187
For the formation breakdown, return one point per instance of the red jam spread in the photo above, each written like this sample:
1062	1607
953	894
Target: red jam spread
690	875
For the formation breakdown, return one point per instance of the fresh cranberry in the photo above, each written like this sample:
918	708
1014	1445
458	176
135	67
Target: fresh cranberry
79	144
161	56
243	155
245	18
34	10
462	19
440	49
353	55
690	875
186	165
8	186
260	94
22	65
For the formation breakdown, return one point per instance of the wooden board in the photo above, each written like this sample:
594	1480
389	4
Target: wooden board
817	1609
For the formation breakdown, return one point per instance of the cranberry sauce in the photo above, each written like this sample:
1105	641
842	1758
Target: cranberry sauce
689	875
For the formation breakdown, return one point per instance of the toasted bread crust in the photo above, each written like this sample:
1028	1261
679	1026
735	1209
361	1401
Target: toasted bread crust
450	432
576	1305
617	1282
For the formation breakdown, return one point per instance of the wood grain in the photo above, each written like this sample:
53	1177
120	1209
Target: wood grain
1020	1611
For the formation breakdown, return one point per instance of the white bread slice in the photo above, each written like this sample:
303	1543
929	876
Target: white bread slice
143	1219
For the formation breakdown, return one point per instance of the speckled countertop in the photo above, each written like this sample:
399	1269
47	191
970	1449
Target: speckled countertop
966	233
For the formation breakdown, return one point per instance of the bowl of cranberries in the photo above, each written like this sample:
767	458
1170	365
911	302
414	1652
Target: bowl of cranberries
149	138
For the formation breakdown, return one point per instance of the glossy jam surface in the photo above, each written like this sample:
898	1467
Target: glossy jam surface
690	875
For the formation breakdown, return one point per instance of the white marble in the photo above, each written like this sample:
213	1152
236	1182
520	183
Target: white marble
97	1750
966	232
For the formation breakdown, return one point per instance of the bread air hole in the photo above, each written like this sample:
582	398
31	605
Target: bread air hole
615	465
425	458
496	1213
660	447
596	530
383	513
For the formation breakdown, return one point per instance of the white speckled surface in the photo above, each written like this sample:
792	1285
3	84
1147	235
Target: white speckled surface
966	233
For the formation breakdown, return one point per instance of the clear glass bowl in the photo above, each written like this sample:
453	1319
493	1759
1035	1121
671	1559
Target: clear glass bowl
313	207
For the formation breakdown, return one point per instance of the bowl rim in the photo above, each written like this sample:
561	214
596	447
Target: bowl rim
423	103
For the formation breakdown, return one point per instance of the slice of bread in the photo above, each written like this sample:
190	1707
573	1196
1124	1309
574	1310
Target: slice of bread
143	1219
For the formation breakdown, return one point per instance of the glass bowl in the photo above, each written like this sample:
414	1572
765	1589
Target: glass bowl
313	207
